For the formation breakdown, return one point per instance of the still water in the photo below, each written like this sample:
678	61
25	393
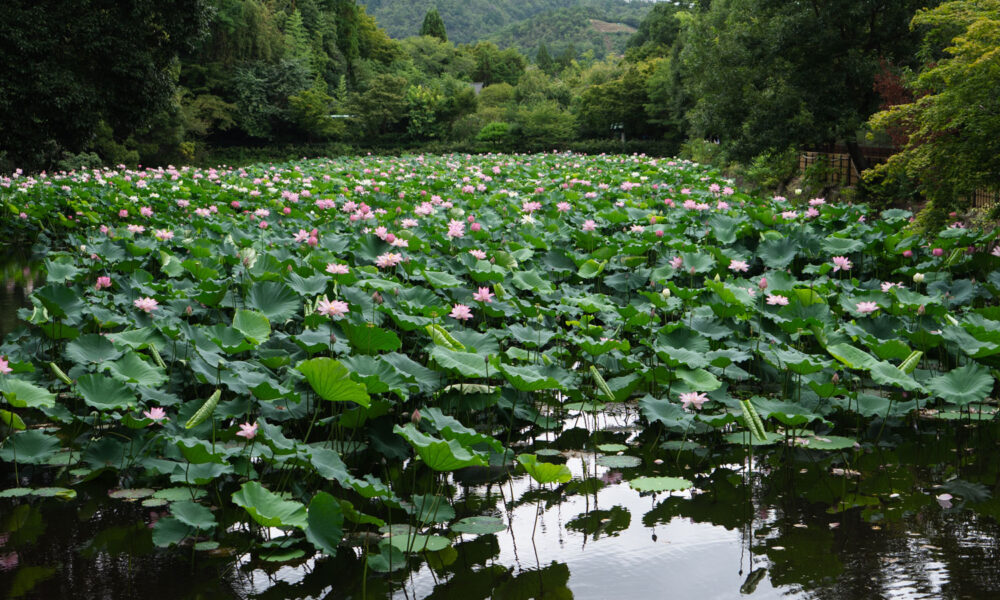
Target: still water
784	523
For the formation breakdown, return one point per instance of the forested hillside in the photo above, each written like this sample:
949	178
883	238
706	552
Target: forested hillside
469	21
575	32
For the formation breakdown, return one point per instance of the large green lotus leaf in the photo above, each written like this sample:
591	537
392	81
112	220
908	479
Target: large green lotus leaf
544	472
332	381
889	374
388	559
674	357
193	514
369	339
440	455
451	428
133	369
60	269
12	420
794	360
531	337
325	523
442	280
778	253
308	286
466	363
789	413
253	325
531	280
591	268
428	509
60	300
969	344
105	393
268	508
91	348
701	263
659	484
666	412
274	300
169	531
21	394
971	383
698	380
854	358
478	525
416	542
528	378
378	375
138	339
32	447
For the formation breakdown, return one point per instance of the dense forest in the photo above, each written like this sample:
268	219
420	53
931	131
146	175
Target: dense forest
733	82
470	21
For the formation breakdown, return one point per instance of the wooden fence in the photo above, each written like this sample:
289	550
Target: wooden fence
842	171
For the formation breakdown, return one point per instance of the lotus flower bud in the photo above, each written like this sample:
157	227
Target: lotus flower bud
835	379
665	292
377	298
762	284
921	310
918	278
937	251
415	417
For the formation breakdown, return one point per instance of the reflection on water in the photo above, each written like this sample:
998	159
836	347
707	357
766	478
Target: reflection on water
18	278
788	523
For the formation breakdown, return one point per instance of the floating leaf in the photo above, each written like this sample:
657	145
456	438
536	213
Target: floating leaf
659	484
478	525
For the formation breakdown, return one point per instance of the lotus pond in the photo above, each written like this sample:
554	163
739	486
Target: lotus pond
490	376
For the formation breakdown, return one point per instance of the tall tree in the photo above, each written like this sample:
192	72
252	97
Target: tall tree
953	126
770	75
68	65
434	26
544	60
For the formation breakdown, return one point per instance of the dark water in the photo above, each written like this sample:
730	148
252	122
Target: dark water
785	523
19	276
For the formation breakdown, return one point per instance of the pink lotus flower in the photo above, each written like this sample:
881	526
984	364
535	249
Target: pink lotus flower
5	366
695	399
155	414
301	236
337	269
907	253
562	207
102	282
483	295
867	307
146	304
479	254
996	251
476	227
334	309
247	430
146	211
777	300
738	265
164	235
456	229
589	225
461	312
888	285
937	251
841	263
388	260
676	262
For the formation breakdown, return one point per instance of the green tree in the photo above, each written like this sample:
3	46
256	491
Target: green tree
768	75
953	147
544	60
434	26
69	65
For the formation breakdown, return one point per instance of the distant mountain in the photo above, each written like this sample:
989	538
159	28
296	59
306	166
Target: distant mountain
515	22
579	30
